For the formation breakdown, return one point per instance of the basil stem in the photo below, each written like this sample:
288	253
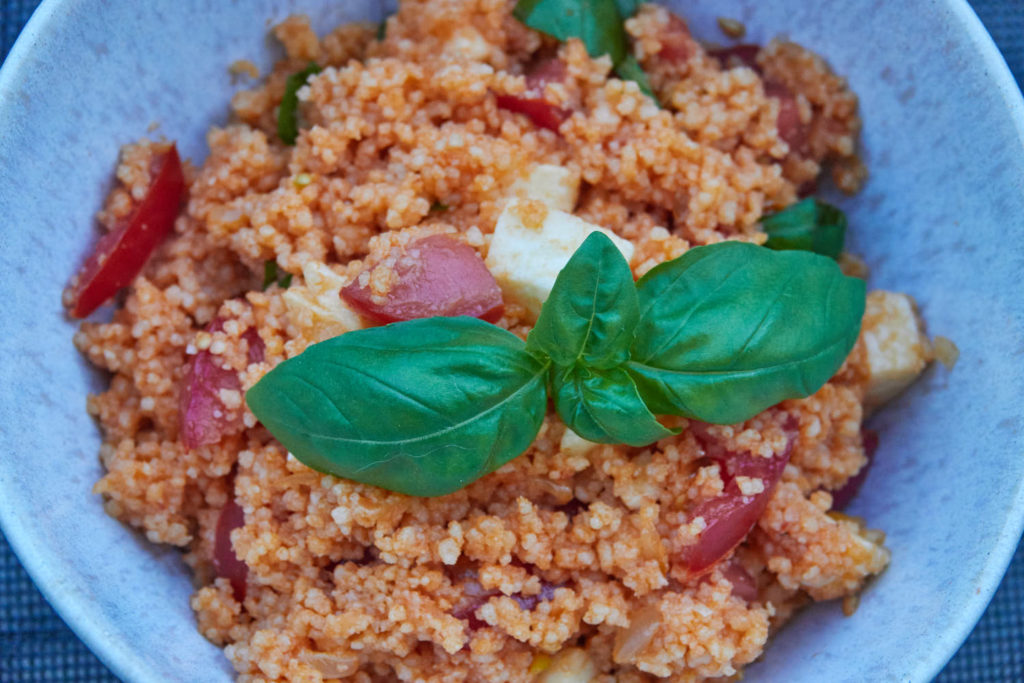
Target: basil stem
730	329
422	407
287	113
808	225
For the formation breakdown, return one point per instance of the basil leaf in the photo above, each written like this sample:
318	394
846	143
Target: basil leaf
627	8
422	407
596	22
592	309
287	113
438	206
730	329
604	406
630	70
809	225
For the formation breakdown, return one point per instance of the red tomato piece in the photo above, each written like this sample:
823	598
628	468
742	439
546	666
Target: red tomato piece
677	44
532	103
845	494
257	349
745	54
791	128
731	515
122	252
225	561
743	584
203	416
434	276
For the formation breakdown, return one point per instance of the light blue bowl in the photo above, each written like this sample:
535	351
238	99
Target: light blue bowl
942	218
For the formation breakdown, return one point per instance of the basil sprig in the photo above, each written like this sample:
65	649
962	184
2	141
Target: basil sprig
425	407
598	23
287	113
809	225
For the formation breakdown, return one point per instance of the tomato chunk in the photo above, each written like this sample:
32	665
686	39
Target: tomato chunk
532	103
745	54
122	252
433	276
203	416
791	128
225	561
257	349
845	494
731	515
743	584
677	43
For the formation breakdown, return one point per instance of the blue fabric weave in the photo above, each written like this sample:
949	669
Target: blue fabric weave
36	646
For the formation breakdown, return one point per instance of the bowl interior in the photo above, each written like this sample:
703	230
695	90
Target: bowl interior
940	218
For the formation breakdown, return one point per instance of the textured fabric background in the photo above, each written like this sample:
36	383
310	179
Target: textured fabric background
36	646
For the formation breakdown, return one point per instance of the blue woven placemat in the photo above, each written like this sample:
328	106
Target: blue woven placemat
36	646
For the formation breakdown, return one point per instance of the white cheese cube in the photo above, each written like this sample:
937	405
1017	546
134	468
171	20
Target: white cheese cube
316	306
897	348
575	445
558	187
531	244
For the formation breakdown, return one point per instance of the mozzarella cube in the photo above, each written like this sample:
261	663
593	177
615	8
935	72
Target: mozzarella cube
558	187
896	345
316	306
531	244
575	445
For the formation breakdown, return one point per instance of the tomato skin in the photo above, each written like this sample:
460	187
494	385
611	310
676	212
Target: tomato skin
532	103
436	276
791	128
120	254
225	561
743	584
744	53
845	494
677	43
203	417
731	515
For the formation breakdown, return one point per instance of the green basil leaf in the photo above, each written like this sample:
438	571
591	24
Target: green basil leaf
808	225
604	406
730	329
596	22
285	281
627	8
287	113
630	70
422	407
592	310
438	206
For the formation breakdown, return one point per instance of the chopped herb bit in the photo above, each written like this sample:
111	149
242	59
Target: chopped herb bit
271	276
719	334
288	112
302	180
808	225
382	30
269	273
630	70
732	28
438	206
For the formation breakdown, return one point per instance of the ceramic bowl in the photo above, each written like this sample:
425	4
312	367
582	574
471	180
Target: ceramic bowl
942	217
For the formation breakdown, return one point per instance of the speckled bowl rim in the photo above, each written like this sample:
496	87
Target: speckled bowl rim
71	608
